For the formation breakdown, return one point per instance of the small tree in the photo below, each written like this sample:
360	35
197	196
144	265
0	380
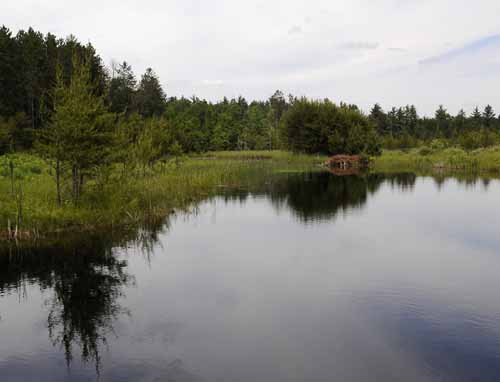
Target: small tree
153	143
80	133
175	151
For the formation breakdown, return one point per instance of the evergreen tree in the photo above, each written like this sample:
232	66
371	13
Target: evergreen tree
278	106
150	98
488	116
122	89
33	67
11	100
411	120
477	119
379	118
392	122
460	121
79	137
443	122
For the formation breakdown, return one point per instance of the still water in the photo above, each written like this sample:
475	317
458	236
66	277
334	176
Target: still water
309	277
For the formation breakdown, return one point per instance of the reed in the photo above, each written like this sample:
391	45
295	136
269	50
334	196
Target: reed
120	198
485	160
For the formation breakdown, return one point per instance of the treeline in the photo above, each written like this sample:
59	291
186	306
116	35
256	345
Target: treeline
403	127
29	63
35	69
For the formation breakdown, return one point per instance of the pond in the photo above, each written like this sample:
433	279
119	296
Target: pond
309	277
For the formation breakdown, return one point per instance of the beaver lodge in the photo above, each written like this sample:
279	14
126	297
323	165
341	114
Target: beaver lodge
346	161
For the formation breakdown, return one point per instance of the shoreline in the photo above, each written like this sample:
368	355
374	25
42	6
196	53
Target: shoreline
131	202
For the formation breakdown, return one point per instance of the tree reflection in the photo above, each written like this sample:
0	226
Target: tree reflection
323	195
86	279
85	302
404	181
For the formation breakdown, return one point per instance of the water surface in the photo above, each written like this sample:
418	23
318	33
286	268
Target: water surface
309	277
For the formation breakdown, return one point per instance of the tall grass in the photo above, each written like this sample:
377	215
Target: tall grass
481	160
128	198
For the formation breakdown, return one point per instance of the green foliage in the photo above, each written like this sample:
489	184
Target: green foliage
150	98
221	134
403	129
7	128
122	89
424	151
323	127
472	140
14	131
131	199
440	157
227	125
103	132
28	62
175	151
438	144
79	136
25	166
153	142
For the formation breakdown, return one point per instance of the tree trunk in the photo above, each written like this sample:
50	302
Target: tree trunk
80	184
33	112
76	180
11	167
58	182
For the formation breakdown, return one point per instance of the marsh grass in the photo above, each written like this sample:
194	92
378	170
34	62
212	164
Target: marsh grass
486	160
120	198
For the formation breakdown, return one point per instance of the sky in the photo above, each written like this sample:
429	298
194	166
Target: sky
394	52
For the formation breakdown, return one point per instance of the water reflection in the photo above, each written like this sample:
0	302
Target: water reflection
454	343
321	196
236	282
86	282
85	279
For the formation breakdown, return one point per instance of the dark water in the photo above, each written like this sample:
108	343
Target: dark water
308	278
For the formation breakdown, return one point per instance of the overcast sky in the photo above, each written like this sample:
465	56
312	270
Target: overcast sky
395	52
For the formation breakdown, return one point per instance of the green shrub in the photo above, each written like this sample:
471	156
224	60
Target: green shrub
438	144
424	151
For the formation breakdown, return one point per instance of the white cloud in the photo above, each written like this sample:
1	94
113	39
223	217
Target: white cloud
359	45
212	82
295	29
347	49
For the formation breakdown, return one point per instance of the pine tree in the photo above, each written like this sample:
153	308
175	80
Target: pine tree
460	121
443	125
122	89
11	100
278	107
477	119
488	116
79	136
150	96
33	53
379	118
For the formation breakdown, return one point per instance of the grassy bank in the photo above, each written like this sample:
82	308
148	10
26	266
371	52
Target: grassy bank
127	197
486	160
